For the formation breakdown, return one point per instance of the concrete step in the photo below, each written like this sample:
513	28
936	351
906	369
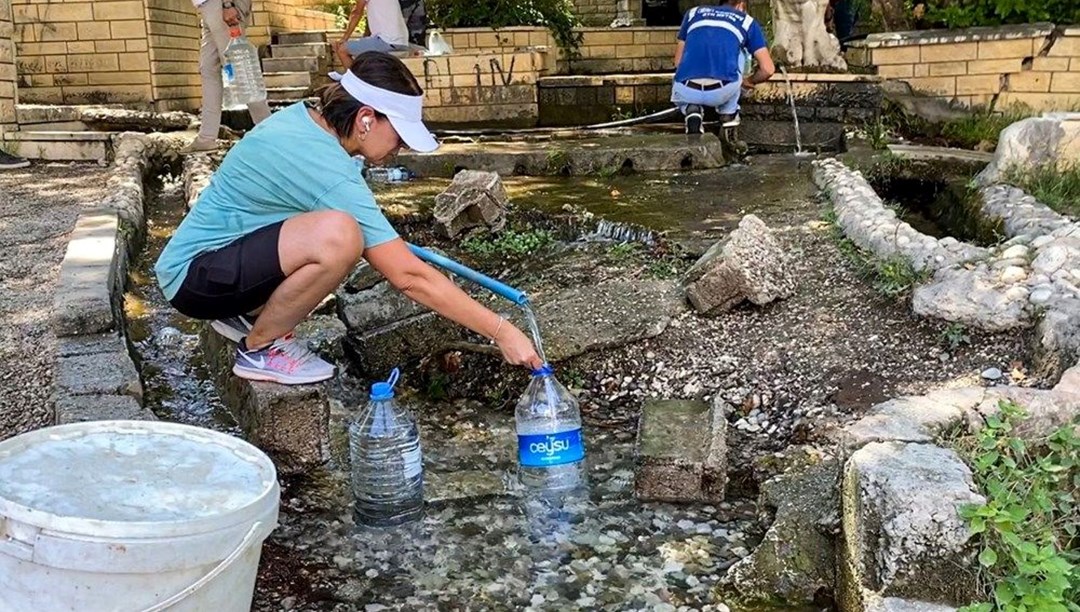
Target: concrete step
301	50
292	64
60	146
299	38
276	80
288	93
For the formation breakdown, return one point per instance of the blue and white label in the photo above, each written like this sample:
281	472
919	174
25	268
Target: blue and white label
228	72
546	450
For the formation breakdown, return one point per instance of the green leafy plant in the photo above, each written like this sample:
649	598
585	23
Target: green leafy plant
982	126
893	277
1058	188
508	243
556	15
968	13
954	335
1030	558
340	9
623	251
664	269
877	134
558	161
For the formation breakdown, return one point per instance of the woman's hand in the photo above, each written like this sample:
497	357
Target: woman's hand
231	17
516	347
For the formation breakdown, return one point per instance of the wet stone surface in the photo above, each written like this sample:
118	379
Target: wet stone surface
496	548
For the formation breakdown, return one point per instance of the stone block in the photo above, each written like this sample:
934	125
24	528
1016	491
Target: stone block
895	71
474	199
978	84
290	422
1038	82
747	265
109	373
90	344
1004	49
946	68
903	535
948	52
1049	64
681	453
375	307
378	351
896	55
1065	82
78	409
995	66
1066	46
89	275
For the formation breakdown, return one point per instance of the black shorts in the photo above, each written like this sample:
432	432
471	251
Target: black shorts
233	280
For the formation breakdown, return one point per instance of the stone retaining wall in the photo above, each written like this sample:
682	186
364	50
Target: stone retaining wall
603	50
95	375
490	89
8	95
1034	276
127	51
1034	65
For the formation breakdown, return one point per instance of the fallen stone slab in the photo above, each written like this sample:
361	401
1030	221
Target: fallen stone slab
796	559
681	453
289	422
89	275
572	157
377	352
474	199
78	409
375	307
749	264
604	316
903	535
108	373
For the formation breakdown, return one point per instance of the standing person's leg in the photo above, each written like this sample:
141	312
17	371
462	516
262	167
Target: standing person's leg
210	53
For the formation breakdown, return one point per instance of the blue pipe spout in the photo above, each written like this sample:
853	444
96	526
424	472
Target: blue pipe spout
492	285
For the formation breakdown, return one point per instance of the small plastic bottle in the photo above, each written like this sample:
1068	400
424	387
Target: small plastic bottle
551	451
389	174
387	466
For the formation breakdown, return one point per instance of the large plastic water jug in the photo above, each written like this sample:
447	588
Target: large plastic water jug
387	467
241	73
437	45
551	451
132	515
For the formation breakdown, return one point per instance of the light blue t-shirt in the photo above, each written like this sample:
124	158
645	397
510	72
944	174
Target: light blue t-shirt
286	166
717	39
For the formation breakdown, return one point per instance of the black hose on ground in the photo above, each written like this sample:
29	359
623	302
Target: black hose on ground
664	114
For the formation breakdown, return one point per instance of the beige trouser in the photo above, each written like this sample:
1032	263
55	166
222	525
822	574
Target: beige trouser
215	38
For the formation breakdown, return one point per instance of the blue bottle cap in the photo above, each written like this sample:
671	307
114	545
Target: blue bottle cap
544	370
385	390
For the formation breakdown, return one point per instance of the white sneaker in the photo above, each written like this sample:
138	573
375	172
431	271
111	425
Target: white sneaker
233	328
285	361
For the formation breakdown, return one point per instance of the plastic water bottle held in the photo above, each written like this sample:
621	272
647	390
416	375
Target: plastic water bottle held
387	468
392	174
551	451
241	73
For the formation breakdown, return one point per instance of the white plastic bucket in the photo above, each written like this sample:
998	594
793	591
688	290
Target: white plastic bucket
132	516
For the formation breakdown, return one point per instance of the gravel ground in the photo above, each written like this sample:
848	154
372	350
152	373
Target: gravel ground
38	209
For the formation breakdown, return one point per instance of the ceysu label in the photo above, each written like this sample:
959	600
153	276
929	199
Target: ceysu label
545	450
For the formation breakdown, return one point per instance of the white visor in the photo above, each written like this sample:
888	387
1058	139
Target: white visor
405	112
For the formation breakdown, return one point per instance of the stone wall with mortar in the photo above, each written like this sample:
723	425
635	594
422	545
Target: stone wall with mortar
174	34
1034	65
494	89
7	69
603	50
600	12
825	103
128	51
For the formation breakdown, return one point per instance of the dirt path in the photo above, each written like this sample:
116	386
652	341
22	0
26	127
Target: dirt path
38	209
